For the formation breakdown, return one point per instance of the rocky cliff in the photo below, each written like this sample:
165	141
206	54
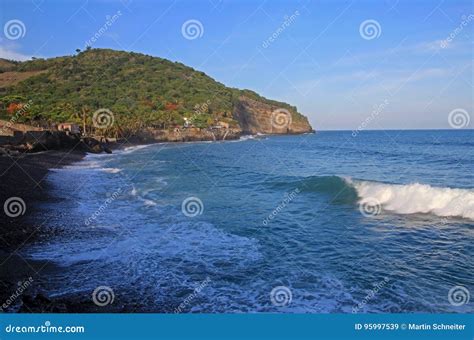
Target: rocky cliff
258	117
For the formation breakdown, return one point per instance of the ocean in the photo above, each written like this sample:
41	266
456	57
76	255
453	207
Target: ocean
332	222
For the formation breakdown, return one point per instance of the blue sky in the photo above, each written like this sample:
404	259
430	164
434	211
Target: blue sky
411	71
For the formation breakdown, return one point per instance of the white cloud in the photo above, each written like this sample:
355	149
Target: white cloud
9	53
404	51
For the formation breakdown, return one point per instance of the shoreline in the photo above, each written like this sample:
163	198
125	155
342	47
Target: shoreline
69	298
25	176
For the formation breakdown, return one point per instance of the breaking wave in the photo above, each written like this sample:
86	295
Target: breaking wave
398	198
418	198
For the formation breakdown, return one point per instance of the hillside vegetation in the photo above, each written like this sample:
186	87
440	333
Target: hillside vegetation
138	89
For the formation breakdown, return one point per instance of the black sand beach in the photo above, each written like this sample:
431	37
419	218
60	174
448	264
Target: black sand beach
24	177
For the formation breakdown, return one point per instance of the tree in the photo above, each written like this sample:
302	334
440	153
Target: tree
14	107
171	106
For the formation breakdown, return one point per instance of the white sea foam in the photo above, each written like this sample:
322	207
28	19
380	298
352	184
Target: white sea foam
111	170
418	198
246	137
130	149
85	164
148	203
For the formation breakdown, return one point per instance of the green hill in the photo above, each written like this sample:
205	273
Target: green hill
140	90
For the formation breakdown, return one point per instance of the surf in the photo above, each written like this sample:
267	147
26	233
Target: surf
403	199
417	198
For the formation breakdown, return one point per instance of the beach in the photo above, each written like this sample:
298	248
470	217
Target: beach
24	177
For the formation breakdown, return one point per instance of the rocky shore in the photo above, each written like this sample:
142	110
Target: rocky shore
190	135
36	141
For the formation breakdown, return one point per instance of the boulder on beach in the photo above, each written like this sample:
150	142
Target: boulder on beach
92	145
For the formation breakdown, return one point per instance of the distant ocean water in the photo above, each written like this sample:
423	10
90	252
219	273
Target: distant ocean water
382	221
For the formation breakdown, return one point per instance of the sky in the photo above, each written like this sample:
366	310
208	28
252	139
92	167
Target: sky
352	65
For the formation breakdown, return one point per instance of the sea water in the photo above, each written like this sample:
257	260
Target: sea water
332	222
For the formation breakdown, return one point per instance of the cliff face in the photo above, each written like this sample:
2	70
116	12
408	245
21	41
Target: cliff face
257	117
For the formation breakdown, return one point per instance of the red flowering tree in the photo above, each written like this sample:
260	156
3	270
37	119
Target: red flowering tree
13	108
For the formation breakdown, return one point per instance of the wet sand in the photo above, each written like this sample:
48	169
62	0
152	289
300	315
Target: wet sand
24	177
